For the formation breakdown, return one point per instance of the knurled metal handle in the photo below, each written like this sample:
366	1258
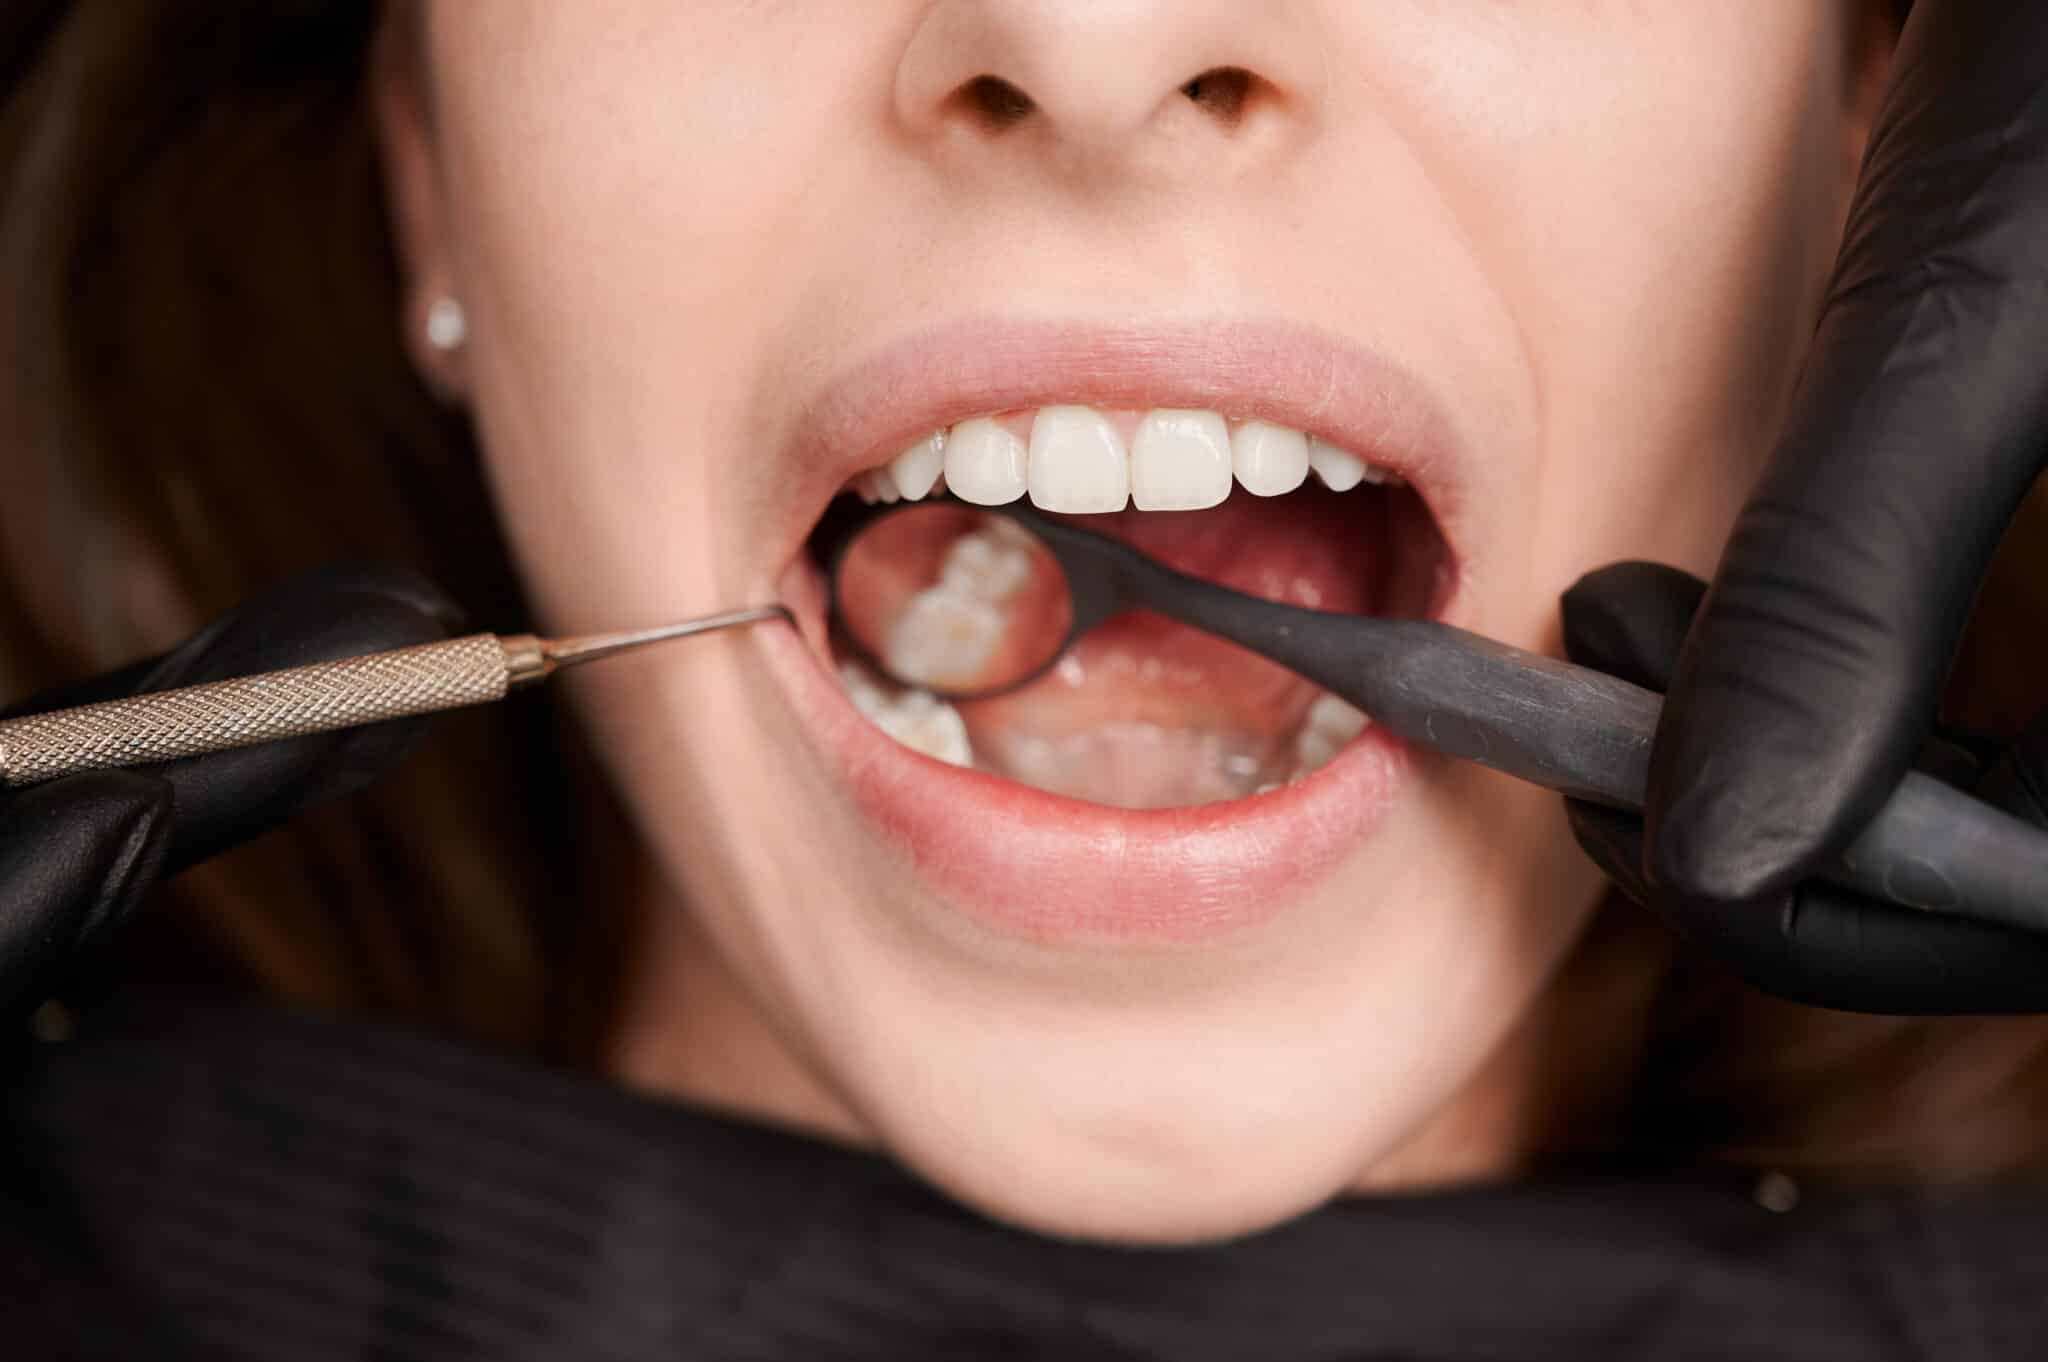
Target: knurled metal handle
248	710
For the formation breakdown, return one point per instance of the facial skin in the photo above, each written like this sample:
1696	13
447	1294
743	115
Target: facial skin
1595	233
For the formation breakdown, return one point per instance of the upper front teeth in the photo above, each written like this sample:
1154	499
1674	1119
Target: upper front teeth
1078	460
1180	461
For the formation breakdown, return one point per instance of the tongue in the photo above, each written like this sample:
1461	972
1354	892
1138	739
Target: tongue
1143	712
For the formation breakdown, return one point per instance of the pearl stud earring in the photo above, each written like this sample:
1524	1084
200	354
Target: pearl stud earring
447	325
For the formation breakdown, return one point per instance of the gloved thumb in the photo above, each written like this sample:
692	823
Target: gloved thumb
227	798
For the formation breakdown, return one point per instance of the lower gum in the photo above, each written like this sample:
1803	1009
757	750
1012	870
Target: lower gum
1131	766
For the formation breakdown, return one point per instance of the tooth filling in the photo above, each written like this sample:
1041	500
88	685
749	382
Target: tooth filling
948	635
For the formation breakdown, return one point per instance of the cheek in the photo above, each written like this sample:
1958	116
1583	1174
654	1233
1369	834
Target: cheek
1659	235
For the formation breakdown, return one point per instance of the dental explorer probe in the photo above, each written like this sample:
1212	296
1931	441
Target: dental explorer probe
319	698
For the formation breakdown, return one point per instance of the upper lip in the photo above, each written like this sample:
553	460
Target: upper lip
1356	399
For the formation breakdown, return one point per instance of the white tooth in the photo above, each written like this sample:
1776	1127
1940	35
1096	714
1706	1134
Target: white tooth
1004	530
927	724
1336	718
863	487
990	563
916	470
1269	460
984	463
1339	469
885	486
1077	462
1383	477
1331	723
944	639
917	719
860	687
1311	750
1180	461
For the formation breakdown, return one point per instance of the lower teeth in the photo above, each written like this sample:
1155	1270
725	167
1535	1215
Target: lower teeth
1124	765
916	718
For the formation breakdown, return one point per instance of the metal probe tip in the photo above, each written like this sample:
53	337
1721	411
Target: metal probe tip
532	659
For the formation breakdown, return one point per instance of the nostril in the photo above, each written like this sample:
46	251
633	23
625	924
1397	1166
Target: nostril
995	101
1221	92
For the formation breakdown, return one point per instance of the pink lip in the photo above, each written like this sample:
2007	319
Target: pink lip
1040	866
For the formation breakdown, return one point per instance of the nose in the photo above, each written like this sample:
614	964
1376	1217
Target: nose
1111	89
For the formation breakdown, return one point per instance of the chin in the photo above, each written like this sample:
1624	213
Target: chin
1187	1096
1164	1176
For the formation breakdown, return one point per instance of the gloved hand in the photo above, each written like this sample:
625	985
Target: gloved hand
1811	942
77	854
1812	674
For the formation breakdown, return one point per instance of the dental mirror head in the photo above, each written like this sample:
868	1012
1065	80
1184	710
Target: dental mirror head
962	601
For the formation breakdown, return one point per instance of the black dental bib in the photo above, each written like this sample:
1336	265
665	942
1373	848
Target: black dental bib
253	1184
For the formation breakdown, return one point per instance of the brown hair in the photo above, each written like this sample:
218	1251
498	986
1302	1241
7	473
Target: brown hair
204	388
204	392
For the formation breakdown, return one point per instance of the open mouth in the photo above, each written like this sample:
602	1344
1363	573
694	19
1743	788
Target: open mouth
1140	712
1157	785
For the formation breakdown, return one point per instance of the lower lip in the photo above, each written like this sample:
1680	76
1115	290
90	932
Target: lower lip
1056	870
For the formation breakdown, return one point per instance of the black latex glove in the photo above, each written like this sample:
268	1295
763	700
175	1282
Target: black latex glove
1812	675
76	854
1812	943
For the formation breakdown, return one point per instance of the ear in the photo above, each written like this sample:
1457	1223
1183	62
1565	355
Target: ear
414	197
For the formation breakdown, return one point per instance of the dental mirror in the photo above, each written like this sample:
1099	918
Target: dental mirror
969	602
962	601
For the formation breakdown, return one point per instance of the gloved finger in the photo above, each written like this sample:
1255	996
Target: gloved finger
1826	947
305	619
227	798
75	856
1830	948
1920	421
89	690
1630	619
208	655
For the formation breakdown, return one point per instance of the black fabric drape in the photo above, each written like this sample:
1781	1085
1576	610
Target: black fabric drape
258	1185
